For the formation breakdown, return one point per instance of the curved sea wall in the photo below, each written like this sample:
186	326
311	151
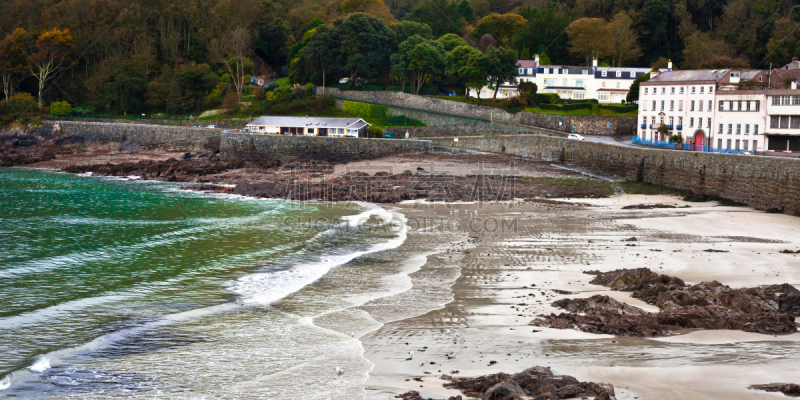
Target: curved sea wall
764	183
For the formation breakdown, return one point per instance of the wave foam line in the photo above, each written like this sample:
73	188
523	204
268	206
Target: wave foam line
267	287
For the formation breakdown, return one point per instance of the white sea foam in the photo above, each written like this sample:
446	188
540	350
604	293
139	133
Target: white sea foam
5	383
41	365
267	287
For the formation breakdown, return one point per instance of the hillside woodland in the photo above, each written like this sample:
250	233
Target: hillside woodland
179	57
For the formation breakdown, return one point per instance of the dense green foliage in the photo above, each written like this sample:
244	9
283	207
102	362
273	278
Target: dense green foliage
183	57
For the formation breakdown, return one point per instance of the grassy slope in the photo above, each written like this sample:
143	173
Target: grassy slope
501	103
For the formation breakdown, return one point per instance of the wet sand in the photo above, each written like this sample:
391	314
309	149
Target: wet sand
508	276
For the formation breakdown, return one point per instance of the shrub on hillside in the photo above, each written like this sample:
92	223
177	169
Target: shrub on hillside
60	108
375	132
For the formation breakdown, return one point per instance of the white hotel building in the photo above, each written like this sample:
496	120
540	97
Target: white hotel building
606	84
706	107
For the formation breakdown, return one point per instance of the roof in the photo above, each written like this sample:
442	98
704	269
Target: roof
526	63
300	122
689	75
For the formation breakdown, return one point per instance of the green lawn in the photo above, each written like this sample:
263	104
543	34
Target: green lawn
283	82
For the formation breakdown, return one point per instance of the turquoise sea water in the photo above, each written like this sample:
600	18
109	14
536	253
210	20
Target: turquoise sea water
111	287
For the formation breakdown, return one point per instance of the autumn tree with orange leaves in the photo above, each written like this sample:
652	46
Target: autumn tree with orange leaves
53	53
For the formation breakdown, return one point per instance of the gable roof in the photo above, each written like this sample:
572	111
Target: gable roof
311	122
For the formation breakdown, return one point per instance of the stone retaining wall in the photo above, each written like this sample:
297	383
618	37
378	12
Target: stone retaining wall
765	183
287	148
587	125
221	123
243	146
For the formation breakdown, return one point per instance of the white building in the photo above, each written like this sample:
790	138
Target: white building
309	126
706	107
606	84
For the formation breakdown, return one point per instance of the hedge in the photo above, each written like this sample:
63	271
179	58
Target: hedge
576	101
565	107
372	88
619	109
542	98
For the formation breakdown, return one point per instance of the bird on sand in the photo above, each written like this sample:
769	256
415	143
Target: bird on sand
339	370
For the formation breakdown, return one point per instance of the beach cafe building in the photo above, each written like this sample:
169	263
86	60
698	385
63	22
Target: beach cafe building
309	126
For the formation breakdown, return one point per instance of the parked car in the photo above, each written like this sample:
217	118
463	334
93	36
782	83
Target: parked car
575	136
388	135
212	127
745	153
451	93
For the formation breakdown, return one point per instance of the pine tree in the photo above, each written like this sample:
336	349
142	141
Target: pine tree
465	9
525	54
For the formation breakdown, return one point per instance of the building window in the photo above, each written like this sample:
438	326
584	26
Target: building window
748	106
680	105
672	105
735	75
550	82
618	85
700	105
730	106
663	90
774	122
604	74
310	130
564	71
619	74
580	95
693	89
604	97
758	105
737	140
552	70
755	129
784	122
699	122
565	81
729	143
710	105
671	121
604	84
795	122
796	100
644	106
776	100
682	89
522	71
745	143
747	129
672	90
710	89
738	129
719	143
633	75
580	83
585	72
740	105
691	122
530	71
680	121
760	78
645	90
662	105
720	129
721	105
702	89
654	105
730	129
691	106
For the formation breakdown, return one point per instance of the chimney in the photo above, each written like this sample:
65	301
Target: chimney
794	85
669	65
536	59
594	62
654	73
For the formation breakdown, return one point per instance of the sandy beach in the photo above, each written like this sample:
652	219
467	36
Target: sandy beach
505	277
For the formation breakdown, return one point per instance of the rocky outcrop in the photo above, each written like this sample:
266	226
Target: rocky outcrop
538	383
789	389
706	305
412	395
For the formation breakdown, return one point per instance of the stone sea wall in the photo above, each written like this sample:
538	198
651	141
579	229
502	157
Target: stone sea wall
221	123
588	125
243	146
765	183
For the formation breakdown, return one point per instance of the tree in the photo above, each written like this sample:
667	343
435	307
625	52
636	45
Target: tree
724	62
442	16
53	53
466	63
625	46
501	27
373	7
13	64
784	43
501	65
633	93
365	44
232	50
270	40
451	41
466	11
321	52
544	32
701	47
589	36
406	29
420	58
655	18
525	54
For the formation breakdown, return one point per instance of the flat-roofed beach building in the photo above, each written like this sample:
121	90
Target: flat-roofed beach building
309	126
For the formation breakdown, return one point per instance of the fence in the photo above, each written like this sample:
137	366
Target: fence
685	146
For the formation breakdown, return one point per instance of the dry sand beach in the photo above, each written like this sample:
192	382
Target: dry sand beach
502	278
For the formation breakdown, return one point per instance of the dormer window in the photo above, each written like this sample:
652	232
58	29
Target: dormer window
522	71
633	74
604	74
585	72
619	74
734	74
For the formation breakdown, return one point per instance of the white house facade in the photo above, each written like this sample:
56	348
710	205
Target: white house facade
605	84
309	126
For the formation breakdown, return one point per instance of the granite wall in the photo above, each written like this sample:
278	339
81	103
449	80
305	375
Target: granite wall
588	125
765	183
243	146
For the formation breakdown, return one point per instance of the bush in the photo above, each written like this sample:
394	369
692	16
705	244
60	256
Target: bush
226	78
81	111
577	101
676	139
60	108
364	110
375	132
371	88
272	86
527	87
542	98
619	108
516	104
259	93
231	102
21	108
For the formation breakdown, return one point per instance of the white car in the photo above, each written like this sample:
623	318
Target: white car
212	127
575	136
745	153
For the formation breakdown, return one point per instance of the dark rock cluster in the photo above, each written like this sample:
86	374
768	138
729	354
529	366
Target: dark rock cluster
706	305
789	389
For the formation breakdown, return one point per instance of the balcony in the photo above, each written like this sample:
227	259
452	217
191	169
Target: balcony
651	126
680	127
644	126
669	126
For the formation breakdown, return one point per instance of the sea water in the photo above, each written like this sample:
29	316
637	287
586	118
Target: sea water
112	287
